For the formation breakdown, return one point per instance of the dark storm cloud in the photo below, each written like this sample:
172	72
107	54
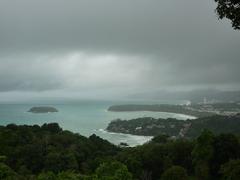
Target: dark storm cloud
60	44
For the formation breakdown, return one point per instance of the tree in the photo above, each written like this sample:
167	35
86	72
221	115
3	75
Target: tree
229	9
231	170
180	153
175	172
52	127
161	138
202	154
53	162
68	175
3	158
155	159
226	147
6	172
47	176
113	171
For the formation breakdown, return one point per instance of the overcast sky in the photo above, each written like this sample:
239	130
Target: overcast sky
95	48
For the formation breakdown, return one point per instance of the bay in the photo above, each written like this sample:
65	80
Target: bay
83	117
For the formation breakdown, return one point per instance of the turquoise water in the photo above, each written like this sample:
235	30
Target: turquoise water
84	118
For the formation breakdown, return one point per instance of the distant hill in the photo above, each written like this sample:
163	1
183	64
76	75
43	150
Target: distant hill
194	95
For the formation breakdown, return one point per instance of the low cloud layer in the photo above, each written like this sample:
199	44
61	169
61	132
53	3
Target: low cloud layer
115	46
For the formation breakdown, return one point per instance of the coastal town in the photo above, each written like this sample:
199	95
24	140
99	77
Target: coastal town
219	108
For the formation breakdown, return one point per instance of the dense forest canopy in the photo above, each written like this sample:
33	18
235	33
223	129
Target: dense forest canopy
48	152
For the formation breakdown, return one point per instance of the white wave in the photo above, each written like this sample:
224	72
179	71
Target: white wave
132	140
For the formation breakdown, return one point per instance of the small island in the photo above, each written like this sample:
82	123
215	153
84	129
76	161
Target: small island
43	109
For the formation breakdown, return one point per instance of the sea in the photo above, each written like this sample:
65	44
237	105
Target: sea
83	117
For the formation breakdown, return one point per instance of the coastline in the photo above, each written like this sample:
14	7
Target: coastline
166	108
183	116
130	139
141	139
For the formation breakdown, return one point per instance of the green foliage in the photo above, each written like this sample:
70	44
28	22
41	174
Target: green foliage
47	176
113	171
33	149
175	172
3	158
160	138
47	152
231	170
203	149
180	153
68	175
64	175
132	158
172	127
147	126
155	159
52	128
226	147
202	154
229	9
216	124
7	173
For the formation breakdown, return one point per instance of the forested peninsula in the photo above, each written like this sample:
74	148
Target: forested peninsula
175	128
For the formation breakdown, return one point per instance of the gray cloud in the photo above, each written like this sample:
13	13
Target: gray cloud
108	45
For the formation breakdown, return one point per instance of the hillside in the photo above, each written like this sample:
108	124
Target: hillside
48	152
190	128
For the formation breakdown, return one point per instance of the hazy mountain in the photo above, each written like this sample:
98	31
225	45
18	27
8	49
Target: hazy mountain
211	95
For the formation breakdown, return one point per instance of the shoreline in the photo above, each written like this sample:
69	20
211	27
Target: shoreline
138	139
167	108
180	114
